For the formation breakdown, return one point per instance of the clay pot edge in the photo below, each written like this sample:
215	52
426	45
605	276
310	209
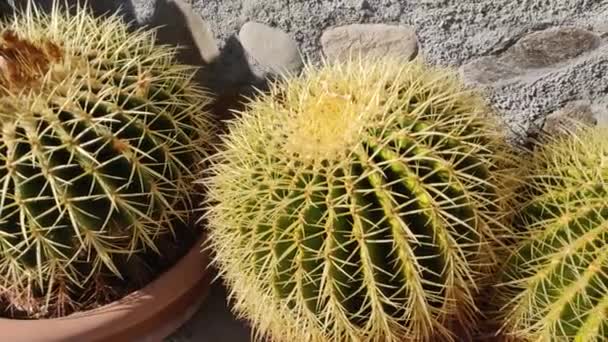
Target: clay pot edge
149	314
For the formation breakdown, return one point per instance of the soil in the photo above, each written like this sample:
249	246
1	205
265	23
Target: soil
106	288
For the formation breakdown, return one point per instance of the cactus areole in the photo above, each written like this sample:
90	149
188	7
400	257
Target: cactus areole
359	202
99	133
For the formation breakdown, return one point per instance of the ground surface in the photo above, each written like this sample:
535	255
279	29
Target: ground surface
213	323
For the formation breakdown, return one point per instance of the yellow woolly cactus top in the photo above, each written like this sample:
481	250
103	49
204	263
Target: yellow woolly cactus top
324	115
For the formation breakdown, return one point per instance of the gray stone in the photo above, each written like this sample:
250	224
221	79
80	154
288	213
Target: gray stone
601	28
488	70
271	50
600	112
602	120
537	53
555	45
373	40
576	114
567	118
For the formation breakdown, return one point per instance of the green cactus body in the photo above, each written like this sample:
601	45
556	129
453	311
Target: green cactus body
556	282
359	202
99	132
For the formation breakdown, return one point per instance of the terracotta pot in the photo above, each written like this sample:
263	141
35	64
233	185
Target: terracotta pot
147	315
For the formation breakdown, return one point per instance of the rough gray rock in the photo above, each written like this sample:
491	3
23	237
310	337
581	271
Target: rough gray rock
489	70
585	112
271	50
549	47
575	112
602	28
600	112
543	49
374	40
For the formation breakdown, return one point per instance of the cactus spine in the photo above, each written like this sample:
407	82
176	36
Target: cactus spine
556	282
99	131
359	202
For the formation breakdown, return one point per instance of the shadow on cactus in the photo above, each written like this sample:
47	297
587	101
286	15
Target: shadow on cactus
360	202
555	285
100	132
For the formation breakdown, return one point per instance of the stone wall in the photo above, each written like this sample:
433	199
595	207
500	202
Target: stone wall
530	57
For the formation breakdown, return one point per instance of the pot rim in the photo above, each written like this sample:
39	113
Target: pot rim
154	311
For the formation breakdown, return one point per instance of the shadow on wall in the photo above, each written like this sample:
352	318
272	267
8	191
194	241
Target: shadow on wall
225	74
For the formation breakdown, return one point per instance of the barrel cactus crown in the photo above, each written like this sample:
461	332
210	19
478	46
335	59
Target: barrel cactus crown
556	282
99	132
359	202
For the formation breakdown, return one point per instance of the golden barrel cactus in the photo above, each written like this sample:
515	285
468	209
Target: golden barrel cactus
555	284
360	202
100	133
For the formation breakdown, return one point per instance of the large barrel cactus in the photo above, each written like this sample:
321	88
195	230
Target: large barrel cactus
556	283
359	202
100	132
